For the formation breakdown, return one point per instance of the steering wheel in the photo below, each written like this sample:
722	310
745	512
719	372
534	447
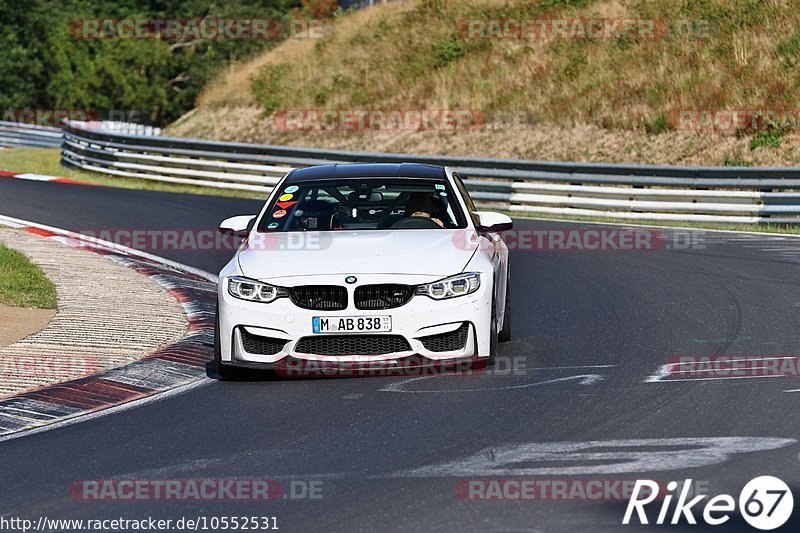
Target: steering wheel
415	223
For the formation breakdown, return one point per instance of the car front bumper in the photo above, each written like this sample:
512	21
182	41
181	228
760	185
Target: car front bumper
284	323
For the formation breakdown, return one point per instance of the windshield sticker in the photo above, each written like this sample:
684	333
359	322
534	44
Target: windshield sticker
291	188
439	187
284	205
285	197
272	225
279	214
442	193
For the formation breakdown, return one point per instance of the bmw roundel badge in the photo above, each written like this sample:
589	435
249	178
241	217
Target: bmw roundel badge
350	279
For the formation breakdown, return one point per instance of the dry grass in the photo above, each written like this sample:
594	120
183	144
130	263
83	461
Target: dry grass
233	88
585	142
598	100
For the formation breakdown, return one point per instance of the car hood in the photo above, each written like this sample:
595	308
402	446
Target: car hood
426	252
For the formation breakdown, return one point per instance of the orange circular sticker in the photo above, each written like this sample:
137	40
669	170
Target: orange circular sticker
285	197
279	214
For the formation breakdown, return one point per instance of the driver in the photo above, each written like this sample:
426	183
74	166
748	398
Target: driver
421	205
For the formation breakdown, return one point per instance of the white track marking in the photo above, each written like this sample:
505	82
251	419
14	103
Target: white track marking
676	453
10	224
664	371
661	372
354	396
737	358
749	368
35	177
589	458
585	379
721	378
398	385
575	367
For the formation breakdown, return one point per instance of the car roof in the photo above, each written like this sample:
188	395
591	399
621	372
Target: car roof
366	170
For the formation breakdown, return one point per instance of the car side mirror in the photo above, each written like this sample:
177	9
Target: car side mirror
493	222
237	226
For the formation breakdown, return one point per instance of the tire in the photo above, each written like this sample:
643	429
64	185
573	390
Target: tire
223	371
505	333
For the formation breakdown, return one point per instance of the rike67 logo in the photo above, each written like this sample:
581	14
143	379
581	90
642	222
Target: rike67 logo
765	503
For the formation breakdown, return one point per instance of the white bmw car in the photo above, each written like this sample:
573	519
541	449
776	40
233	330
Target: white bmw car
364	263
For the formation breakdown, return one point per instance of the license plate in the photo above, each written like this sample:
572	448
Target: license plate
351	324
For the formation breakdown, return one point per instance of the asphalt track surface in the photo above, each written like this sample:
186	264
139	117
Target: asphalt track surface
589	329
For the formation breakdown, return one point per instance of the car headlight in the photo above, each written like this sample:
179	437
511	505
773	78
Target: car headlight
254	291
451	287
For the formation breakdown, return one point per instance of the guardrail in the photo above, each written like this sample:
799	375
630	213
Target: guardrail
16	134
636	192
21	134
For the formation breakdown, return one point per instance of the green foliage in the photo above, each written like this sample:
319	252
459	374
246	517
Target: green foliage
268	87
45	66
338	82
22	283
659	124
448	50
789	51
577	60
770	138
729	15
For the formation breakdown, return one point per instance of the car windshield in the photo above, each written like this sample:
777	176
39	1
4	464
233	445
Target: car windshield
363	204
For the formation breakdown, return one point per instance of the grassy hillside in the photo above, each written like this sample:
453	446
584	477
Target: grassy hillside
616	99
